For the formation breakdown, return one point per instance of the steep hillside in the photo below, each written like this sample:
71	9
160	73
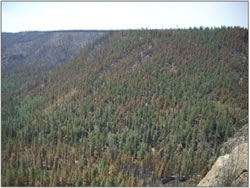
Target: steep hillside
134	108
28	54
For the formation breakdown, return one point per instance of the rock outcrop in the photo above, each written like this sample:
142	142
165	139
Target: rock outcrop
241	136
230	169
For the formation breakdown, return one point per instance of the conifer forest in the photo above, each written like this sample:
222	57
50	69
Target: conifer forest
129	108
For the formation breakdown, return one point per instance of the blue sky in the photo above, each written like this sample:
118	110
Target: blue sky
28	16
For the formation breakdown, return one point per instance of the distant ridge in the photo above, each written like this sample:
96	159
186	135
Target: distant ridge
34	52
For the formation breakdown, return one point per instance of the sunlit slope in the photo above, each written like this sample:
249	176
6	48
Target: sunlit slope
134	108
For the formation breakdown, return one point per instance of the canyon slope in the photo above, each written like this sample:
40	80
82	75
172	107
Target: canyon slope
131	108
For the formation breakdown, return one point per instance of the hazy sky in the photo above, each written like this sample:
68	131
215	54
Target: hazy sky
27	16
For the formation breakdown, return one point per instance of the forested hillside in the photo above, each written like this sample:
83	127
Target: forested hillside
133	108
26	55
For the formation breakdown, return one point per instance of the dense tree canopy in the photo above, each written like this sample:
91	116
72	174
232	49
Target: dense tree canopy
133	108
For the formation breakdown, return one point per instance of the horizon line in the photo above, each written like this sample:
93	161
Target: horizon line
142	28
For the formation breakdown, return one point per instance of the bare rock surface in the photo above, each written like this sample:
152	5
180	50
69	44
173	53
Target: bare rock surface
230	169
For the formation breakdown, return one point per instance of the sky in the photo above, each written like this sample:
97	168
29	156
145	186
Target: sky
45	16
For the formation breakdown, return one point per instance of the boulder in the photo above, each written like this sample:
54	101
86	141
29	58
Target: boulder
230	169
